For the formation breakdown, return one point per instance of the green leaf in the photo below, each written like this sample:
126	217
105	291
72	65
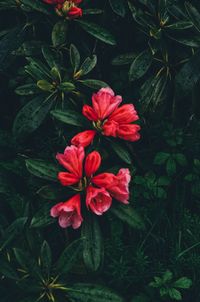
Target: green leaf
52	57
93	250
188	76
183	282
98	32
45	257
88	65
67	87
31	116
42	218
42	169
174	294
180	25
92	11
121	152
27	89
74	57
45	86
14	230
167	276
59	33
140	65
140	298
171	166
129	215
181	159
68	117
161	158
7	271
81	292
27	262
94	84
118	6
68	257
35	5
124	59
193	14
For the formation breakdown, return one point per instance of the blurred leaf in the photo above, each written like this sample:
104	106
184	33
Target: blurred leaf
193	14
36	5
42	218
7	271
68	257
121	152
171	166
14	230
93	250
188	76
183	282
174	294
118	6
129	215
124	59
160	158
27	89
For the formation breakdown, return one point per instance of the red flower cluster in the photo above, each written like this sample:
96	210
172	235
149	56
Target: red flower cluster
68	9
108	118
111	120
99	189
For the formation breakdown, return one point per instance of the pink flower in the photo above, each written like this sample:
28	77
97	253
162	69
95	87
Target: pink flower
66	8
69	212
109	119
98	200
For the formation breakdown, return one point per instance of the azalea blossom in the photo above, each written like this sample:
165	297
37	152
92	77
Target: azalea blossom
68	9
80	175
108	118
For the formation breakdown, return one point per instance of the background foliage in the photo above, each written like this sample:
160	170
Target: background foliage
148	52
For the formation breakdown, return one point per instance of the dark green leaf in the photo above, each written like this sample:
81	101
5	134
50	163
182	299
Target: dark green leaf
90	292
160	158
88	65
27	89
121	152
193	14
174	294
140	65
183	282
59	33
42	169
74	57
45	257
98	32
31	116
94	84
42	218
68	257
14	230
129	215
118	6
68	117
124	59
93	250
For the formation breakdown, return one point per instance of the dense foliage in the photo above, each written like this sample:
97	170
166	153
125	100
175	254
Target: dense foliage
54	55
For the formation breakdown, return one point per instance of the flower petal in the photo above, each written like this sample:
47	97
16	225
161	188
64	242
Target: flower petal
84	138
92	163
98	200
125	114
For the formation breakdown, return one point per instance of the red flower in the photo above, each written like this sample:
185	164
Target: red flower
99	188
108	118
66	8
74	12
116	185
69	212
84	138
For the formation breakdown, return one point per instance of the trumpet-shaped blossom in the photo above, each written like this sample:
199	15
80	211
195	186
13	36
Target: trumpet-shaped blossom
108	118
69	212
99	189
